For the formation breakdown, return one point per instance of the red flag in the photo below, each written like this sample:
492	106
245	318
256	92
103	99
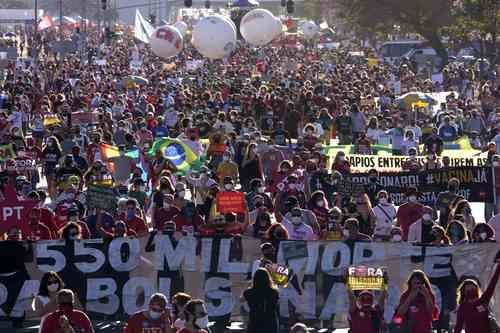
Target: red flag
45	23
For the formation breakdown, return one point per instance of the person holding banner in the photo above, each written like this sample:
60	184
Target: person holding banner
473	313
66	319
366	315
417	306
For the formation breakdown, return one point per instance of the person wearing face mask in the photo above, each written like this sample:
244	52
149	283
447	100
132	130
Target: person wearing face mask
227	168
134	221
340	164
166	213
66	319
156	318
474	306
333	228
179	301
318	205
45	301
67	170
35	229
262	299
196	316
288	190
366	315
432	162
137	192
445	199
351	231
456	233
373	187
201	184
71	231
421	230
257	188
188	220
483	233
385	215
412	163
409	212
51	154
296	227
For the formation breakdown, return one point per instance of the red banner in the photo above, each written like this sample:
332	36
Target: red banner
14	212
231	202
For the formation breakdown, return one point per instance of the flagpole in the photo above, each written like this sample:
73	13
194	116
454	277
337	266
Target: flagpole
35	35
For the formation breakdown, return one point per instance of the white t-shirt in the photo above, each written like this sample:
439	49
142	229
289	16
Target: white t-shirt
302	232
384	215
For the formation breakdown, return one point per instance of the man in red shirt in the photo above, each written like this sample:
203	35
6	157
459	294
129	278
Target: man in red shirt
166	213
366	317
196	315
133	221
66	319
409	212
37	230
155	320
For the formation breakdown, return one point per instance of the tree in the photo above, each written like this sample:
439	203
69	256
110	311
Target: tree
477	20
425	17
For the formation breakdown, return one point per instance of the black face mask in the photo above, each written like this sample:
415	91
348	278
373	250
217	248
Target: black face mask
373	179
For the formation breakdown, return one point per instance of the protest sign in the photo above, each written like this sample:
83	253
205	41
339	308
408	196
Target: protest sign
21	164
476	183
103	197
14	212
84	118
363	163
231	202
365	278
6	151
115	278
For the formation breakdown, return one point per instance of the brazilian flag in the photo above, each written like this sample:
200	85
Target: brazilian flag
177	152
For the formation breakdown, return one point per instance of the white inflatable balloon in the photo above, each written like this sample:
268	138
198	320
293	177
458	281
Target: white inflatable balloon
310	29
214	37
258	27
279	27
182	27
166	41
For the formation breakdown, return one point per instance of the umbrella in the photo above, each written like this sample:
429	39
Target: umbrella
420	99
9	34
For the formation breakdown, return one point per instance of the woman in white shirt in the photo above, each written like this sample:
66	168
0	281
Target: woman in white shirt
45	301
374	132
385	214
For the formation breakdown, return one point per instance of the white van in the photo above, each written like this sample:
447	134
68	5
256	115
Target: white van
392	51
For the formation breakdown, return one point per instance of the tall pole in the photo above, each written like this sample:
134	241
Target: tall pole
35	35
60	19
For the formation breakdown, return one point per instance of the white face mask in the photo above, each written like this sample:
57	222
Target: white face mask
346	233
412	198
483	235
495	163
261	189
166	205
202	322
426	217
341	158
225	158
228	187
320	203
396	238
53	287
154	315
382	201
181	194
292	186
73	237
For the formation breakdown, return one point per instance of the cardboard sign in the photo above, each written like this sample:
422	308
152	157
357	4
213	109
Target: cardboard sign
84	118
22	164
103	197
365	278
231	202
14	212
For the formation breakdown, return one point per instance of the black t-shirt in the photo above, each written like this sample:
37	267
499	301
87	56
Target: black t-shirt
427	233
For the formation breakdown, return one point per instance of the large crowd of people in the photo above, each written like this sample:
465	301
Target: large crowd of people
262	121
